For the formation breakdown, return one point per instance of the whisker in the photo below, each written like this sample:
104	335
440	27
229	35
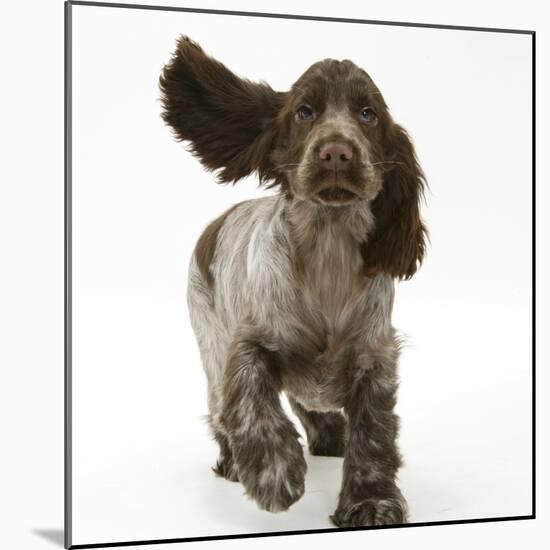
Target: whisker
281	166
387	162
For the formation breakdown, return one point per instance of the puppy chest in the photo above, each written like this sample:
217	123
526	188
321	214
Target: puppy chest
316	392
319	380
332	281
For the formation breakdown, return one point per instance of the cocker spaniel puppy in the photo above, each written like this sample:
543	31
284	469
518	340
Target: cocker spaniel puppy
294	292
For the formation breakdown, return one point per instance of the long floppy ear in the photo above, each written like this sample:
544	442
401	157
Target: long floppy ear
229	121
398	242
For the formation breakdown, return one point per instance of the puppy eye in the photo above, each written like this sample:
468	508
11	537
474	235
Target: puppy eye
305	112
368	115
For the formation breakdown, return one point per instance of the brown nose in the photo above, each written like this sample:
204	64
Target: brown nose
335	155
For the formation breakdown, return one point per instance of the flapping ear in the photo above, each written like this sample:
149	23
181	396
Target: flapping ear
229	121
398	242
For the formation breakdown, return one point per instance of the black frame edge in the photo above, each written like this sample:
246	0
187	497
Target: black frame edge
305	532
534	275
68	275
300	17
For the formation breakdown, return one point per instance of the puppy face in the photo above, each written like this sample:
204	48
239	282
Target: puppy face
331	135
330	139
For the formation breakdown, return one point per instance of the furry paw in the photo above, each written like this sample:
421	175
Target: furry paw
372	511
275	479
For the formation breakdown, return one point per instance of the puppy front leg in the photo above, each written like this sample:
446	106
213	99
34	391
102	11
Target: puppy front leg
369	494
265	446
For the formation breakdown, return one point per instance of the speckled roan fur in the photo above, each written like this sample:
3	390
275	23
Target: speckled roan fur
294	292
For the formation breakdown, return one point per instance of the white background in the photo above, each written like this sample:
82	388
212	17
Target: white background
141	449
32	254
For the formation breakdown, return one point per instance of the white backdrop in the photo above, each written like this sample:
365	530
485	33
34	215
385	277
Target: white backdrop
141	448
31	274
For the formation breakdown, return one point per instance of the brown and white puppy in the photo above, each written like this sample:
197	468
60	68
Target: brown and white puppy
293	293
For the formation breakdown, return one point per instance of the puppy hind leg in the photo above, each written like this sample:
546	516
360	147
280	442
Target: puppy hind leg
212	341
326	431
225	465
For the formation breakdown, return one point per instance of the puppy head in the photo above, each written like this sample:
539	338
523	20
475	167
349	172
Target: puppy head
330	143
329	140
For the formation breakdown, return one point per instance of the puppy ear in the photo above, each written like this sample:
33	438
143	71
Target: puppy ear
229	121
398	242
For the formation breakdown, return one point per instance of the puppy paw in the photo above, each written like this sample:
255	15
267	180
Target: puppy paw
388	510
276	480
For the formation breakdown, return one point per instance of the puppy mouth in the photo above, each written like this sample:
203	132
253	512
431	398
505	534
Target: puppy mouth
335	187
336	195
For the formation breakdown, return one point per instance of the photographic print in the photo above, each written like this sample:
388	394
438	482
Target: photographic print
299	259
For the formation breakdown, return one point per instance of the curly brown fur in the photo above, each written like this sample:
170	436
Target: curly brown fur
229	121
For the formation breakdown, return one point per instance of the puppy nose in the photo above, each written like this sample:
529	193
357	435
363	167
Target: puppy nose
335	155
